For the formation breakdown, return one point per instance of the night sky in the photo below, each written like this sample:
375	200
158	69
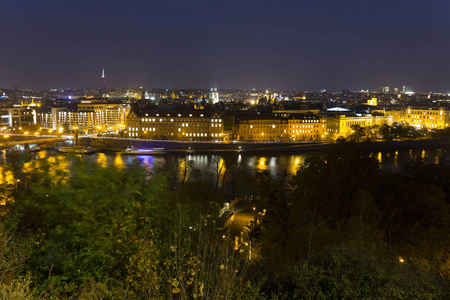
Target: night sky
282	45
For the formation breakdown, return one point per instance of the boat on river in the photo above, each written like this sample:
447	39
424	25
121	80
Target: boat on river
35	149
151	151
77	150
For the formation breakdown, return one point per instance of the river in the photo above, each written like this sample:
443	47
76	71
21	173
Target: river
275	163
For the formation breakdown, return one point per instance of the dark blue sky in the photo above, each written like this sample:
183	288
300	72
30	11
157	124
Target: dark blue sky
282	45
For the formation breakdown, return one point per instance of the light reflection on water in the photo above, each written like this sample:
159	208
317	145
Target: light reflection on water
101	159
206	163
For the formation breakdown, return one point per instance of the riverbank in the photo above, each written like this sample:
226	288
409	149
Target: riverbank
118	144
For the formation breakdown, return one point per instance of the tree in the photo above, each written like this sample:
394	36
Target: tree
386	132
358	133
86	224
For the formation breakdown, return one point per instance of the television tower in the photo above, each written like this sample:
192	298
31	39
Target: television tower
103	77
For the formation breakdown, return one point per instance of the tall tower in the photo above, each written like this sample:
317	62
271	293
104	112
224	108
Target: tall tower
213	94
103	77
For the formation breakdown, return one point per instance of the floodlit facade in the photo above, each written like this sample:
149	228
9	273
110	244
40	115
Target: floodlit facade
188	125
99	116
273	128
341	125
430	117
307	128
263	129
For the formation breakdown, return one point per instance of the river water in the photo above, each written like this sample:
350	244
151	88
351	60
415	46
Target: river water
275	163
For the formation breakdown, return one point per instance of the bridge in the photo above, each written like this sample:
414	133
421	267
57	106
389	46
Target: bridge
8	141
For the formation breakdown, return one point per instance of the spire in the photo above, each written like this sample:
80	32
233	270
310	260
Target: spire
103	77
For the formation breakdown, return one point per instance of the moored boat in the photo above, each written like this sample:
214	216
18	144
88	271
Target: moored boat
35	149
152	151
77	150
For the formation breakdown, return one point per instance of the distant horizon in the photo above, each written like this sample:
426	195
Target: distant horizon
286	46
400	89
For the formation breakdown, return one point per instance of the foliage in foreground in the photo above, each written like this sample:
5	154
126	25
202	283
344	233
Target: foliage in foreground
92	232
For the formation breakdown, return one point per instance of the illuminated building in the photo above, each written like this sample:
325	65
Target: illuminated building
373	101
341	124
213	94
17	117
398	115
296	127
428	117
307	127
48	116
89	114
262	129
189	125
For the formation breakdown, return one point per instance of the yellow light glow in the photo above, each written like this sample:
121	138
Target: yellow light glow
262	163
118	161
101	160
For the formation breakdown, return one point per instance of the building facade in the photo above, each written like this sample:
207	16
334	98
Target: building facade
86	115
16	117
188	125
341	125
295	127
429	117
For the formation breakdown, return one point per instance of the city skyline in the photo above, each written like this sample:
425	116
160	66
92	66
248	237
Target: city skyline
241	45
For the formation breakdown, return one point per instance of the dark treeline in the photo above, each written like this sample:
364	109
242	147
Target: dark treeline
340	228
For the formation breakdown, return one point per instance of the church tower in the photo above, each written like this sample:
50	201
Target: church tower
213	94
